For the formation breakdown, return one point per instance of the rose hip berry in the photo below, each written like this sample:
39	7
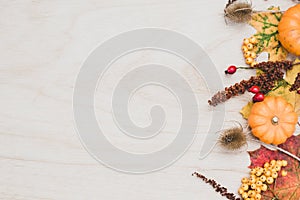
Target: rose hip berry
298	91
231	70
258	97
254	89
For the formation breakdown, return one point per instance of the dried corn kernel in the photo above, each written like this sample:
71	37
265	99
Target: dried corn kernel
249	46
259	183
283	173
245	180
251	193
247	54
266	165
273	162
264	187
263	178
241	191
253	55
246	41
284	163
253	40
268	173
258	190
279	162
249	60
257	196
245	195
277	168
274	174
270	180
244	48
245	187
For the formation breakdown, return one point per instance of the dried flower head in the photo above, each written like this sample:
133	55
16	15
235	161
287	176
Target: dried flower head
218	188
233	138
238	11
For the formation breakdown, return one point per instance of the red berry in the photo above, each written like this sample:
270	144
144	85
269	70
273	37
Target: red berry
231	70
258	97
254	89
298	91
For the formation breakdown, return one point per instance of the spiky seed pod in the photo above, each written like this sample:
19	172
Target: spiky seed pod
233	139
238	11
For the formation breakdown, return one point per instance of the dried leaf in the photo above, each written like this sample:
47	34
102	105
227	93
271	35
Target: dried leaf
291	97
284	188
266	24
246	110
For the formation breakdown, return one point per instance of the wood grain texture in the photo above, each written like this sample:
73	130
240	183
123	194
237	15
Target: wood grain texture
43	45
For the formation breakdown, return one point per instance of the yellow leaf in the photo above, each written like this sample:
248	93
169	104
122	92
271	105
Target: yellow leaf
297	104
291	97
246	110
284	92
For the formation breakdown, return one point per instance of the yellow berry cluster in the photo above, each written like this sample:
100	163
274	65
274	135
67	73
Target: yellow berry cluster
260	177
248	50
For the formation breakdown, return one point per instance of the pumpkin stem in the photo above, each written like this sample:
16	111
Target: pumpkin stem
275	120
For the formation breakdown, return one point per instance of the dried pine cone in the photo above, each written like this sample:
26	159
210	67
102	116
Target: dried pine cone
273	72
296	84
271	65
218	188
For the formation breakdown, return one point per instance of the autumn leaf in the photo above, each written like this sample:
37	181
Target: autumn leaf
266	24
291	97
246	110
284	188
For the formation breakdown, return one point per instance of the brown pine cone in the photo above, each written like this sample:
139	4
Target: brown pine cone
271	65
296	84
273	71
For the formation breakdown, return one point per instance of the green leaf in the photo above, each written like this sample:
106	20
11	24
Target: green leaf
266	24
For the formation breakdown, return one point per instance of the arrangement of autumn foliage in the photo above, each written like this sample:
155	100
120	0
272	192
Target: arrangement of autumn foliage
273	112
286	186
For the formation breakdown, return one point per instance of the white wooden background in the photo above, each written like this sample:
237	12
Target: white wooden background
43	44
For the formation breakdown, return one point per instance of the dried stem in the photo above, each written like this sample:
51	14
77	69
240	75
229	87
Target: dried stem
270	146
218	188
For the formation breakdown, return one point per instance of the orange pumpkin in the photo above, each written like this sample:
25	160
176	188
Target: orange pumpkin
273	120
289	30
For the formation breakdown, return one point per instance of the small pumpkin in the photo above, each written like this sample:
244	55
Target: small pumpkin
273	120
289	30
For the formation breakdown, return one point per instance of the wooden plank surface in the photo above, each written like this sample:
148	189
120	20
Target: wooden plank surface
43	46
